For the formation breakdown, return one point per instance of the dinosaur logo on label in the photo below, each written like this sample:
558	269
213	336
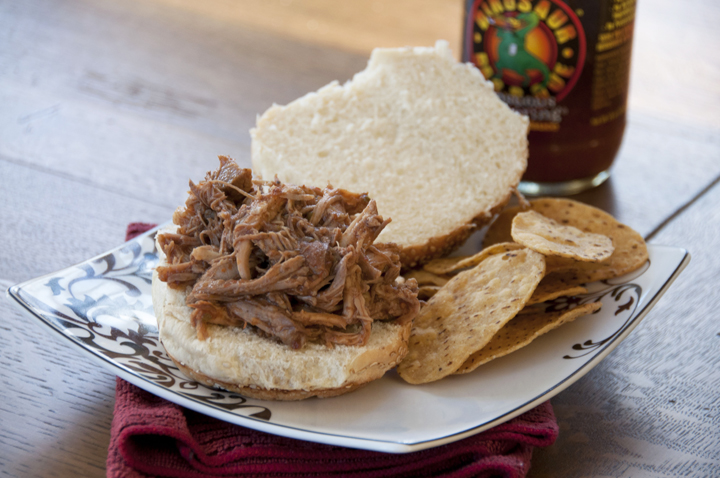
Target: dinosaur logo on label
527	48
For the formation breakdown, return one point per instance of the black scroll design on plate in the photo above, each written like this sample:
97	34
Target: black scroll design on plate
627	296
109	325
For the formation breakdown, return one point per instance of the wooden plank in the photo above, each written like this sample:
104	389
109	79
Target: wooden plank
50	223
142	113
674	76
56	407
352	26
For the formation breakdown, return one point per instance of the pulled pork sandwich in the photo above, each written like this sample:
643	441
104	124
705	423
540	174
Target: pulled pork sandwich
278	291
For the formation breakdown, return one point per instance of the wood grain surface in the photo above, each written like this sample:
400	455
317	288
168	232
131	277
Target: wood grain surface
108	108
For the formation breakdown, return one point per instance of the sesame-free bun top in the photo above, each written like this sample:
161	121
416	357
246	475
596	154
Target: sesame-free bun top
424	135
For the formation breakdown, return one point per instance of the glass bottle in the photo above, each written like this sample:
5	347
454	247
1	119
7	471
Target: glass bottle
565	64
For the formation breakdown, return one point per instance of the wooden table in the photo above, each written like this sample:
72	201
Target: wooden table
107	108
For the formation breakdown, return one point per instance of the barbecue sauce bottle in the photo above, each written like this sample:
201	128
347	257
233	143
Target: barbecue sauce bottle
565	64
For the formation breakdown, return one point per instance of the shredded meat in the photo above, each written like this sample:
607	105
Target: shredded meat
294	263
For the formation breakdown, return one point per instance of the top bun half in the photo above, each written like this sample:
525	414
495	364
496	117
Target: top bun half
422	134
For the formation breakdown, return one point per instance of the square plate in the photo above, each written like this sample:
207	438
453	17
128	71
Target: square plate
104	307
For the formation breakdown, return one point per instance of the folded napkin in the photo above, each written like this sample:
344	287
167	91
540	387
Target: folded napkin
153	437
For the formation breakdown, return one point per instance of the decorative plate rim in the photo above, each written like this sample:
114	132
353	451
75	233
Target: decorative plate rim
289	430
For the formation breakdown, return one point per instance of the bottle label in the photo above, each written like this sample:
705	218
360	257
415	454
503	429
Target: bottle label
611	74
532	50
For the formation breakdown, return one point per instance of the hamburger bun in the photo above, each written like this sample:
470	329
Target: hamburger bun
240	360
424	135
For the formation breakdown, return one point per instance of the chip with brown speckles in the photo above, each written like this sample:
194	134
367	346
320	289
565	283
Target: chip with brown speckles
449	265
548	237
522	330
551	288
427	291
426	278
630	249
467	312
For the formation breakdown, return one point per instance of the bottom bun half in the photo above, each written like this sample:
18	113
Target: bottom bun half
239	360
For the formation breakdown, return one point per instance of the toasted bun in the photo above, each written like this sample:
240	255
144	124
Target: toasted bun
240	360
424	135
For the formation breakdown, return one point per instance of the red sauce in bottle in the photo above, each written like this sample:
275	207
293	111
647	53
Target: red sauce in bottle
566	64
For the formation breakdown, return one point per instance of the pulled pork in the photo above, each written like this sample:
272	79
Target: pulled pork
296	263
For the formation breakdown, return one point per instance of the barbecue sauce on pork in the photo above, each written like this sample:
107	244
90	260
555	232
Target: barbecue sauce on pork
296	263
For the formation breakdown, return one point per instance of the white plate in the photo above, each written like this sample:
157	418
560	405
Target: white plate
103	306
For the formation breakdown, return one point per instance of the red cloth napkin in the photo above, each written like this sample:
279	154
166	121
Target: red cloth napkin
153	437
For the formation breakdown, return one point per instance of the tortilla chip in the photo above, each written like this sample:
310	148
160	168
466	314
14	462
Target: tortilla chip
522	330
630	249
551	288
465	314
444	265
426	278
548	237
499	229
427	291
448	265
